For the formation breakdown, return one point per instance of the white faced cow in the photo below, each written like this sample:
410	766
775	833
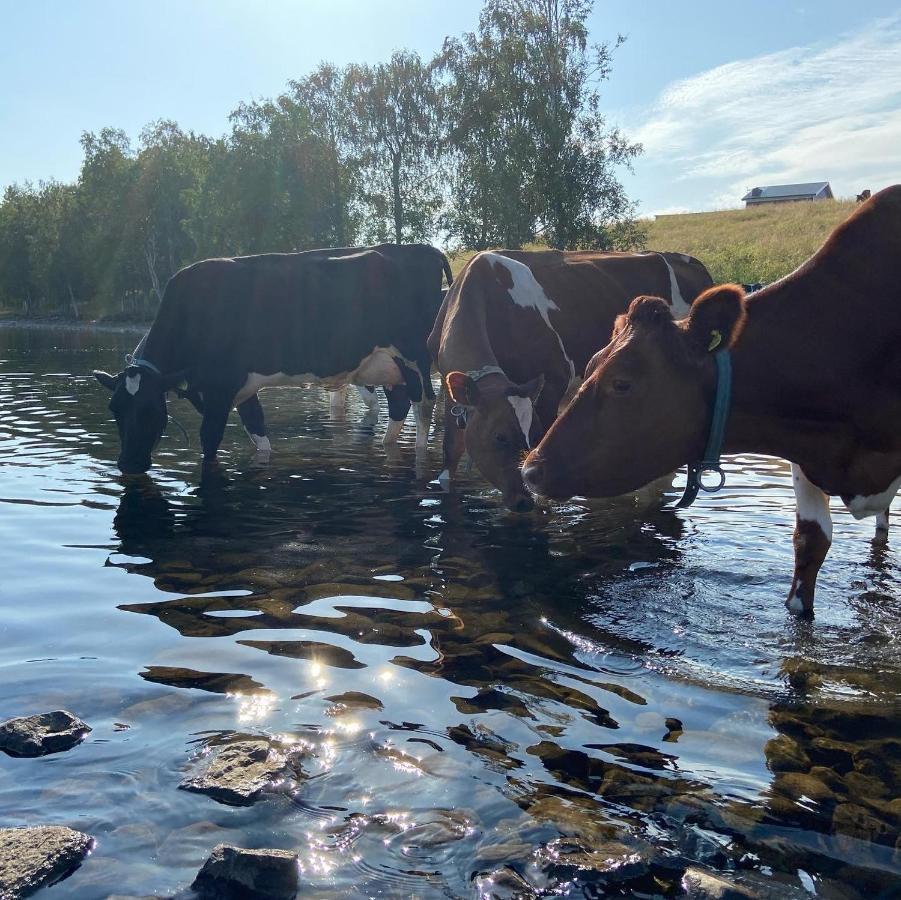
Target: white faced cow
816	379
514	334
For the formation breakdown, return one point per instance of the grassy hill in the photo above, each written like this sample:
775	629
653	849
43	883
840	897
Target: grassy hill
744	245
762	243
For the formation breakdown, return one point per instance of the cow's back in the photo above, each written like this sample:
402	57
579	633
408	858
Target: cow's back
292	313
588	288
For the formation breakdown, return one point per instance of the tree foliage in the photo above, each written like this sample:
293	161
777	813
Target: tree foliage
498	140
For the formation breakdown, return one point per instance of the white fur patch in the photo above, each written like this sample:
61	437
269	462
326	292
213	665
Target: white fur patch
860	507
795	604
261	442
680	308
813	504
133	383
522	406
882	521
529	294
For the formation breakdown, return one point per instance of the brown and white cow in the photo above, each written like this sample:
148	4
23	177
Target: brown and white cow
514	334
816	361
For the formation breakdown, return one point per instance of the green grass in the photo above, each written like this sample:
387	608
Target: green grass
762	243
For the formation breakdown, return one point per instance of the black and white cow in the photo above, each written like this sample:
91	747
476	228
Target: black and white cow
228	327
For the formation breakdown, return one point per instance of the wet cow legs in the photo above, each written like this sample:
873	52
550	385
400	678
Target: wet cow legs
812	539
217	404
251	413
398	407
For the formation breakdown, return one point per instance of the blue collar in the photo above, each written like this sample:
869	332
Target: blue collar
716	438
145	363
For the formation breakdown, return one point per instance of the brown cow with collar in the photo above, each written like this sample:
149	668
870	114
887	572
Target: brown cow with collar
817	380
514	334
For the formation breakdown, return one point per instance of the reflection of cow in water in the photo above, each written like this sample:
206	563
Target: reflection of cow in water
863	195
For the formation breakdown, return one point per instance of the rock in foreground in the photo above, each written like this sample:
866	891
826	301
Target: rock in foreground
232	873
240	772
31	858
41	734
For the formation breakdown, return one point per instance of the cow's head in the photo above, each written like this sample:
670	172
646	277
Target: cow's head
501	424
645	405
139	405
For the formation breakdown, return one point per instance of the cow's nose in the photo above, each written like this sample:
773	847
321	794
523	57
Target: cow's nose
533	474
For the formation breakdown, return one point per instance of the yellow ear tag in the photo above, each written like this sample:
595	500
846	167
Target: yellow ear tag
716	338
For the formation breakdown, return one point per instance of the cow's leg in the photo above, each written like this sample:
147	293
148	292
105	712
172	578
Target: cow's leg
216	407
370	401
425	370
251	413
454	443
423	411
812	538
337	401
398	407
881	535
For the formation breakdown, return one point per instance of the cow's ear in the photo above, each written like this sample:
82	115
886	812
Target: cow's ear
462	389
107	380
717	318
530	389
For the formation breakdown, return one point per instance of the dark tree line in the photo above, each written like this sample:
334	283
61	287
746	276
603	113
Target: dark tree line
497	141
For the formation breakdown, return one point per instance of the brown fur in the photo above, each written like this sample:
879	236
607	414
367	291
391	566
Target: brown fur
480	326
817	377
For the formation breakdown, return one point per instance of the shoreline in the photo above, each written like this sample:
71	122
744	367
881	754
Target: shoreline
74	325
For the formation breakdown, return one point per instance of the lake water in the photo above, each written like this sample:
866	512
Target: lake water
483	700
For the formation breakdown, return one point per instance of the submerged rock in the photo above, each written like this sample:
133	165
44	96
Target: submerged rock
504	884
233	873
31	858
240	772
44	733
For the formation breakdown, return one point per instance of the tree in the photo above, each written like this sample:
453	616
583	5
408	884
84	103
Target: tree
170	166
533	154
393	118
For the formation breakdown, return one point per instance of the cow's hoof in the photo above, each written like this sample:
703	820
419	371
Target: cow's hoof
797	607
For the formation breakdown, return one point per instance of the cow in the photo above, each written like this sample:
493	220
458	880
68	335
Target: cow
228	327
815	363
864	195
515	332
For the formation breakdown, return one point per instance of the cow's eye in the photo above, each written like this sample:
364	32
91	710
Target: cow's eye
501	439
621	386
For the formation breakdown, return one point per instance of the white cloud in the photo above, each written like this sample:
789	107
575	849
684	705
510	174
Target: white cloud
826	112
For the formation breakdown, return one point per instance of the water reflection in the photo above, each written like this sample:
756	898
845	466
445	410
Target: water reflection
583	701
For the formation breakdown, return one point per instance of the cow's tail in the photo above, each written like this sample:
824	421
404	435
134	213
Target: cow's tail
445	264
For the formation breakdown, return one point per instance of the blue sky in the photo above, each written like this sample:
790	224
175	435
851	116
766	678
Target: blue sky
723	95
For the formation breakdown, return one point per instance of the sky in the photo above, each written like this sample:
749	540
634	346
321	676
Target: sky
723	95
